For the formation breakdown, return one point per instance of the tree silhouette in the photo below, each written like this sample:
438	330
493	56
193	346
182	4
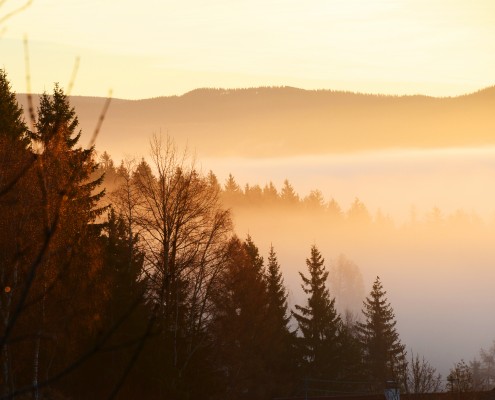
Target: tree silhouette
281	358
239	324
318	320
384	354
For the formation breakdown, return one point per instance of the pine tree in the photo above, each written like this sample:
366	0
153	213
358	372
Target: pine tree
67	205
239	328
288	195
281	358
17	220
257	261
384	354
350	352
124	262
315	201
124	313
12	125
270	194
277	294
232	193
213	181
66	169
15	155
358	213
318	320
231	185
53	262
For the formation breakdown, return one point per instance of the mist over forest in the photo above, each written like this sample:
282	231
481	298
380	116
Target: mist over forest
225	252
437	265
254	234
427	218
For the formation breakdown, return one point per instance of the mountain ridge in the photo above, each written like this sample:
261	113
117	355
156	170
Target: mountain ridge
209	90
287	121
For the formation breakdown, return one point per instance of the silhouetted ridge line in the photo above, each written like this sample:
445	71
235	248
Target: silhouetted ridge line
285	121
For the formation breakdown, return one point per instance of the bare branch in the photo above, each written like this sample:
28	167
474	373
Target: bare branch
15	11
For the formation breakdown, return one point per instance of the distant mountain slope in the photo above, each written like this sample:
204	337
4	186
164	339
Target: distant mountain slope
268	122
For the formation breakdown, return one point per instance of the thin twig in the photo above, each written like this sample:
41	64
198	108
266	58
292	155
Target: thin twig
32	116
73	76
100	119
15	12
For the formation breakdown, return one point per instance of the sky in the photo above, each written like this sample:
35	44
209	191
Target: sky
153	48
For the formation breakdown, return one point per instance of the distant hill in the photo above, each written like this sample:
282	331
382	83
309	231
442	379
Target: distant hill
285	121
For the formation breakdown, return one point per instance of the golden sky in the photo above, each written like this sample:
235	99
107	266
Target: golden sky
150	48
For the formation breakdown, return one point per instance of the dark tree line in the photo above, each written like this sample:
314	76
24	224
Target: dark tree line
153	296
269	197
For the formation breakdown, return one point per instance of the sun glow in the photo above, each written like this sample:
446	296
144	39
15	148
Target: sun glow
436	47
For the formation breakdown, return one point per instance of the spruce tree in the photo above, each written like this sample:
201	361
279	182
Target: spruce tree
239	326
124	313
318	320
12	125
282	357
17	223
232	193
66	170
68	209
277	294
270	194
384	354
257	261
53	263
15	155
288	195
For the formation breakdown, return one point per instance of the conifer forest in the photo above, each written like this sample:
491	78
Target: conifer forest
128	282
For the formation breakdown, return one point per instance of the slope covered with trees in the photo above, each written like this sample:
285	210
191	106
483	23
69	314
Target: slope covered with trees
285	121
153	295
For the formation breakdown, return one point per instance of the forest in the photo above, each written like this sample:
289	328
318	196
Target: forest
129	282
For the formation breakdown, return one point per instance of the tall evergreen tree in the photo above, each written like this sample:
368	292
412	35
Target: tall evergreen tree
53	263
17	216
282	356
239	328
384	354
68	211
232	193
257	261
65	169
270	194
12	125
350	354
277	294
288	194
15	154
318	320
125	314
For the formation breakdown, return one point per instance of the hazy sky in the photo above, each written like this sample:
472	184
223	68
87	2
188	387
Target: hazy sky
152	48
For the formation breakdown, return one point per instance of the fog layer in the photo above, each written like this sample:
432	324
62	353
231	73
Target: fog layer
428	235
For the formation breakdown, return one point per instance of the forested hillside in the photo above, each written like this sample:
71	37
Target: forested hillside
144	290
275	122
153	294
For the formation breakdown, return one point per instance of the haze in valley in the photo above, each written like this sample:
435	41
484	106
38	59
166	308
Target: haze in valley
386	104
421	166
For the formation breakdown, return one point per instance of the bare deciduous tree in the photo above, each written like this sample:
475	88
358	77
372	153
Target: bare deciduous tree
460	378
184	232
422	377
